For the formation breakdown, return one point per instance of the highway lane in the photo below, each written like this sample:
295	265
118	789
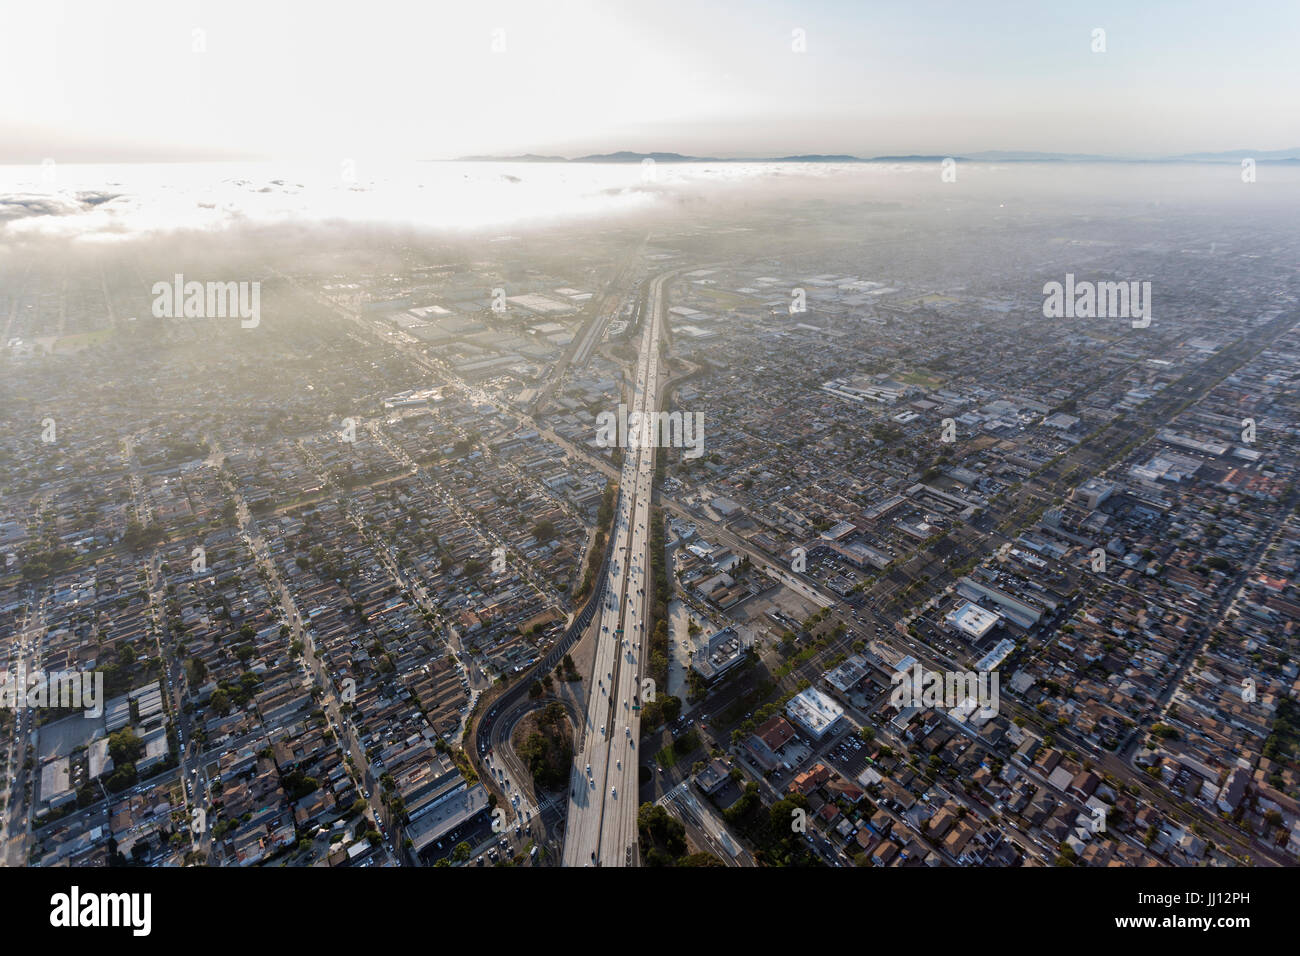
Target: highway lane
506	771
601	826
619	836
618	832
590	784
26	655
618	839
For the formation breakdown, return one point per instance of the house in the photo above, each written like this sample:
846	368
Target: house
1234	788
942	821
865	839
1084	784
885	853
810	780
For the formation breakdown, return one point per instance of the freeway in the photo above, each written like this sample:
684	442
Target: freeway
589	337
601	828
17	820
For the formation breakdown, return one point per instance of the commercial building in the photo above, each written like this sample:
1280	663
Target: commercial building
972	620
1094	491
722	651
848	674
861	555
814	712
454	810
1020	612
765	743
714	776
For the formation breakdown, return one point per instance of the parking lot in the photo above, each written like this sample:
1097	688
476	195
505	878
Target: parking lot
849	756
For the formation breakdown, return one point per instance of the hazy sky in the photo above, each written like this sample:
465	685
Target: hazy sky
104	81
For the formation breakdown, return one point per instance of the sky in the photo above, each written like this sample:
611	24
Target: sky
169	80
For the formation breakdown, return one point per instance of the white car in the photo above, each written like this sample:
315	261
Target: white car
613	792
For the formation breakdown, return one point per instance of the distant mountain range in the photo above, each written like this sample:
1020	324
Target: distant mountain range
991	156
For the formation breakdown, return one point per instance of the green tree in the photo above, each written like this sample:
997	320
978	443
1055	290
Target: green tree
220	702
125	746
